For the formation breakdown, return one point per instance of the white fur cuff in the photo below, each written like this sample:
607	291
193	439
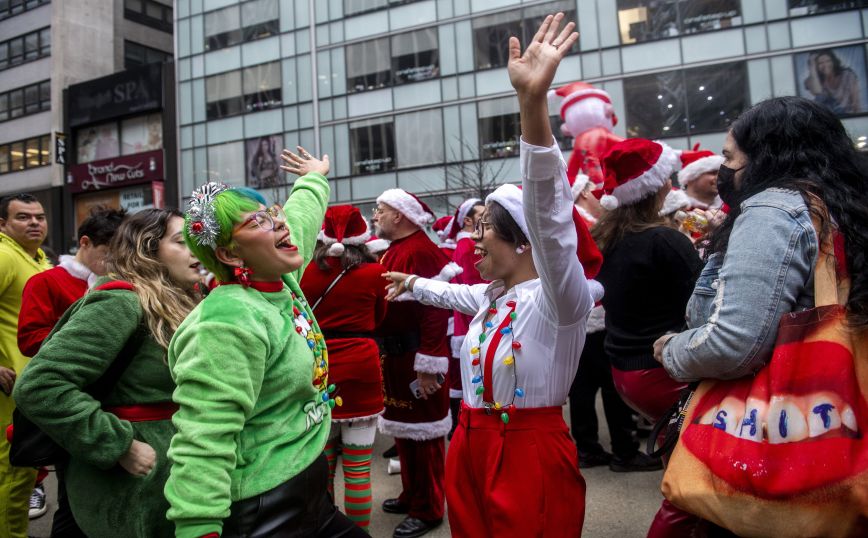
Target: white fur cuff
418	431
430	364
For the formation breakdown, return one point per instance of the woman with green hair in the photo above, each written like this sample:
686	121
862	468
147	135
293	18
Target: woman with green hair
251	370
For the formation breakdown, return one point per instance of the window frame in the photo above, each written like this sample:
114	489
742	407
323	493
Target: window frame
141	15
35	106
42	50
244	103
145	50
42	145
20	7
242	34
389	159
678	20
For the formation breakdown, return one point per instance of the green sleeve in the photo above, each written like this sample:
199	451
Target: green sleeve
305	210
218	366
50	389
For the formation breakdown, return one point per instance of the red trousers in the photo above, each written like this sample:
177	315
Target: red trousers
652	392
518	479
422	476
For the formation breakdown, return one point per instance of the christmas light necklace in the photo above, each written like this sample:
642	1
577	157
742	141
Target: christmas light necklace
506	329
316	343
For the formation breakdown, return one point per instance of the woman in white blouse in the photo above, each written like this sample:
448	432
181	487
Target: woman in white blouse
512	468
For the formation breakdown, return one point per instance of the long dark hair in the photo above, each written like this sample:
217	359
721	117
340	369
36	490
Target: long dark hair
793	143
837	66
352	256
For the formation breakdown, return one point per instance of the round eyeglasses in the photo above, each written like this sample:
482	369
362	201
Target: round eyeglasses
266	217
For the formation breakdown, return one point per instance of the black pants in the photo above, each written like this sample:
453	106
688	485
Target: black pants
300	507
63	525
595	373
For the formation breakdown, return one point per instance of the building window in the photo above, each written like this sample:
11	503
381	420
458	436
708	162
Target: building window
29	99
354	7
499	128
9	8
97	142
135	54
226	163
115	138
263	163
150	13
142	133
692	101
372	146
25	48
647	20
368	65
415	56
491	33
25	154
249	90
810	7
235	24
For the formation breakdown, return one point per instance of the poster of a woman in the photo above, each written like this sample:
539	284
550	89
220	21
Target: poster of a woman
263	168
835	78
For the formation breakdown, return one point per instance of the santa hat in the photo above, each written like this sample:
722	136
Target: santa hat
696	163
675	200
579	185
343	225
408	205
579	91
510	198
461	214
441	226
635	169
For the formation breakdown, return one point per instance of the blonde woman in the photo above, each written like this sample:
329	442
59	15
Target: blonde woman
113	342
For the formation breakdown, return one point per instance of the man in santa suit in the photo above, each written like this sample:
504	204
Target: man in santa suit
414	348
589	118
698	178
586	203
463	223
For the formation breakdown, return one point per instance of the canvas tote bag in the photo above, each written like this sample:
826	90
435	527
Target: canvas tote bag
784	453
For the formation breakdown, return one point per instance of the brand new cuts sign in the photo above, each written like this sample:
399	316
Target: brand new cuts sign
118	172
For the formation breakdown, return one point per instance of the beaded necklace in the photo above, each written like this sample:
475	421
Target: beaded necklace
316	343
484	373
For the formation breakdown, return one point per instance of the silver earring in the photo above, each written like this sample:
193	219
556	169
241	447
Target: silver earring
520	250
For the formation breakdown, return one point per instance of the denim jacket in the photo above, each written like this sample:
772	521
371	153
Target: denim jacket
739	298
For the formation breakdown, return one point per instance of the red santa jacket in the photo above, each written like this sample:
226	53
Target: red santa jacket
45	298
410	325
354	307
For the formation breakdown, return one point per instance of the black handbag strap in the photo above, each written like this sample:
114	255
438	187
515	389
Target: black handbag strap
672	421
328	289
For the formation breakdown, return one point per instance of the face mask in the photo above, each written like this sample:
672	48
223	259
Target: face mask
726	184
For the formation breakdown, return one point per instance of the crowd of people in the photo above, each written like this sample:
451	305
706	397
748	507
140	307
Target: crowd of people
205	372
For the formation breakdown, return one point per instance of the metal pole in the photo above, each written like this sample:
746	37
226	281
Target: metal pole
314	76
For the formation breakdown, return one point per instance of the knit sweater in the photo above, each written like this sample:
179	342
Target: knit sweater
648	277
16	267
250	417
105	499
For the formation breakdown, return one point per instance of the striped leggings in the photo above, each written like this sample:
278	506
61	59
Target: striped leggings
354	442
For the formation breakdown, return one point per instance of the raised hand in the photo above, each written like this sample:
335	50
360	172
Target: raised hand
531	73
303	163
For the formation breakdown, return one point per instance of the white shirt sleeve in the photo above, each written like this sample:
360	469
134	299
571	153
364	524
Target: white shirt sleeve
466	299
548	205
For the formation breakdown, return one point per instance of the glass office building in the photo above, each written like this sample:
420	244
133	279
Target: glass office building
415	94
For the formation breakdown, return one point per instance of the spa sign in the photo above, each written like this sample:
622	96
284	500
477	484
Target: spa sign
117	172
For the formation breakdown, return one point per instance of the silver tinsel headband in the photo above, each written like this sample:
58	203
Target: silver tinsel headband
201	223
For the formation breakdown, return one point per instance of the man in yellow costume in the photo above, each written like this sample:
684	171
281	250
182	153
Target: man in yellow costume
22	230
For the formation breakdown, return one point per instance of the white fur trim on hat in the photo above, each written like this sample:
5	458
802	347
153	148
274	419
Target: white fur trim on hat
353	240
407	206
509	196
336	249
675	200
579	185
645	185
430	364
699	167
417	431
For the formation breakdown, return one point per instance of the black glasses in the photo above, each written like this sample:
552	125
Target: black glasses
480	227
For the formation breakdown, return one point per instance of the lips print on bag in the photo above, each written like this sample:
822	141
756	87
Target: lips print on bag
784	453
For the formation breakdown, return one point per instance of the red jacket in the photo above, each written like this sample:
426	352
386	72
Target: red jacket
406	416
45	298
356	304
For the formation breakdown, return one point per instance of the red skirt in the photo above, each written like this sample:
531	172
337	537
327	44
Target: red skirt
518	479
354	368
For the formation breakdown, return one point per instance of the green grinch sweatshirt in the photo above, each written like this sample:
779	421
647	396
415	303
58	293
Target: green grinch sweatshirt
250	417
